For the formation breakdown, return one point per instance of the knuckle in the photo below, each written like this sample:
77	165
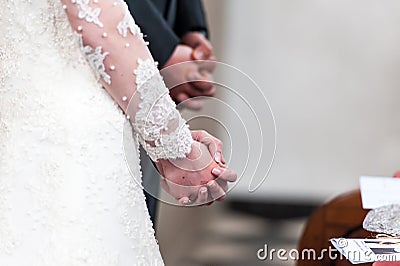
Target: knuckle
203	133
234	177
219	144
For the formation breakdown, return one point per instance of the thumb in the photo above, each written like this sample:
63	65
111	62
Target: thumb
201	52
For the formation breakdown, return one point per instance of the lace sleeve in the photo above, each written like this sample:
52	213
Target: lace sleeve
115	49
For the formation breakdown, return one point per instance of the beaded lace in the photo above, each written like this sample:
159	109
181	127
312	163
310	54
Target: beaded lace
159	126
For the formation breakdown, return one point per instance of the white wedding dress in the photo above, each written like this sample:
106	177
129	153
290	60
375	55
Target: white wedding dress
67	196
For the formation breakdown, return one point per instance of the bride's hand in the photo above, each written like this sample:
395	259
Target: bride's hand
201	177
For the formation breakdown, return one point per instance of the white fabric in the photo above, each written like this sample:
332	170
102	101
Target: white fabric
67	196
122	63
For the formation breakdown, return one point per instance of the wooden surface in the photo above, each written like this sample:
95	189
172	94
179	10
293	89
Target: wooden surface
341	217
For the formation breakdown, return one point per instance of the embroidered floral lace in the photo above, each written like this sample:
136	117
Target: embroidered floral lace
122	63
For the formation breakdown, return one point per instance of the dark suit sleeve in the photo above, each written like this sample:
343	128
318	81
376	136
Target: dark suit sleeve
190	16
161	37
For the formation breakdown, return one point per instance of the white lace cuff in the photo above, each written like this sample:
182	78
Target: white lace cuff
162	131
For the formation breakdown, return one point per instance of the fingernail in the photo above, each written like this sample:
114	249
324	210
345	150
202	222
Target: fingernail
217	157
216	171
211	184
199	54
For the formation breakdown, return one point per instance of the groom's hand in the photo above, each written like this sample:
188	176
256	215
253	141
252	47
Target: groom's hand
185	177
192	78
200	187
202	47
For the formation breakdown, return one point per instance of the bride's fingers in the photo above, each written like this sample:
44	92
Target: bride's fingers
216	192
214	145
226	174
203	196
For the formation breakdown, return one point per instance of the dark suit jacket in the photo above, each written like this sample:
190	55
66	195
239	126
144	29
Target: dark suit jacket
164	22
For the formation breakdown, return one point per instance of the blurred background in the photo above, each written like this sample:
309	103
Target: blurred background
329	70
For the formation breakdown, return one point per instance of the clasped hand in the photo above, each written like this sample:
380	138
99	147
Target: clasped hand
200	178
188	72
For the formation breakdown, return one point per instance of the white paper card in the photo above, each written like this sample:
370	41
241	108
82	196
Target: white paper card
368	250
379	191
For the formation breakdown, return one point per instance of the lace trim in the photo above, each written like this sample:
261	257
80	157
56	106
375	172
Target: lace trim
127	23
156	113
95	58
145	71
170	146
384	220
91	15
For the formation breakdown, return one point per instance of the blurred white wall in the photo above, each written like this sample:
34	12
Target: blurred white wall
331	71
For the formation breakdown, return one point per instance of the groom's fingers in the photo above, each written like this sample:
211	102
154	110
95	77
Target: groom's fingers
223	184
225	174
193	104
214	145
181	97
202	82
184	101
216	192
203	196
208	64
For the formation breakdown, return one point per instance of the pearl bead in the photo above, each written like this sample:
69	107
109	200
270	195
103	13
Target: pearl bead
80	28
128	117
64	7
124	99
127	45
96	1
105	35
112	67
